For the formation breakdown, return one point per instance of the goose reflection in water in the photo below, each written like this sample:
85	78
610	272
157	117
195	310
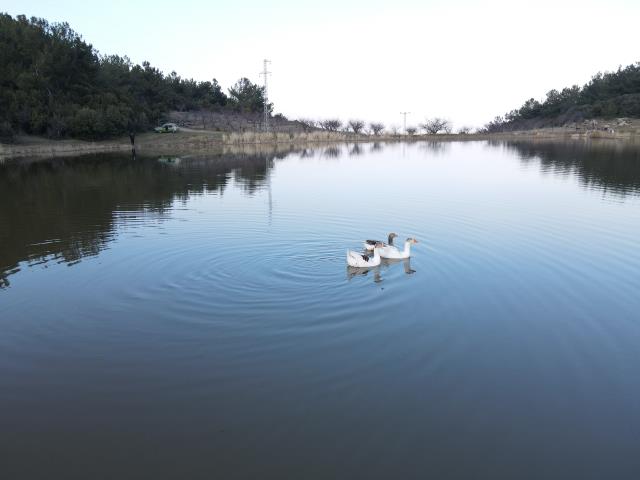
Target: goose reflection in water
385	264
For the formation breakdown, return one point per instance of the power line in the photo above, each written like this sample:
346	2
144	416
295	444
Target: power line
404	114
265	72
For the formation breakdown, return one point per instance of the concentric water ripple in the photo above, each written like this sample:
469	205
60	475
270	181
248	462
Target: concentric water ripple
208	300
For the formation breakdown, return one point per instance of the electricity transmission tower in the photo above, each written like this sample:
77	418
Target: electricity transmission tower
404	114
265	72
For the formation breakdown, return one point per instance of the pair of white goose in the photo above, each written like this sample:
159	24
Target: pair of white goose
380	250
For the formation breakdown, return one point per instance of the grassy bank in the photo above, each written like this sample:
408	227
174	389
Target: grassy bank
199	141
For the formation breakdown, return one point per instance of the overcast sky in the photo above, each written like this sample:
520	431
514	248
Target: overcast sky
464	60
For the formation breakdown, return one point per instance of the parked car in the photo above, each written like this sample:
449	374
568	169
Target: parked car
167	128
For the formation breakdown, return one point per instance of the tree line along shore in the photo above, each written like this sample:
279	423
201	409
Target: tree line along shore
194	141
57	90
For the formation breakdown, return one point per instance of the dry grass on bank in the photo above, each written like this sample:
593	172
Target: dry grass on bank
203	141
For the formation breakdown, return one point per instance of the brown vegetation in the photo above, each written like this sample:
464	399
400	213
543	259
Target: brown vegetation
203	140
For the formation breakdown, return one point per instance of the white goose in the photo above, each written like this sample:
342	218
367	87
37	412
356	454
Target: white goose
392	252
360	260
370	244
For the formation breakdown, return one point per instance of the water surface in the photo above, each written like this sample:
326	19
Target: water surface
193	316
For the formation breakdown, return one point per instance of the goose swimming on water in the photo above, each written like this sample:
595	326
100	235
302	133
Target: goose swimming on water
370	244
360	260
392	252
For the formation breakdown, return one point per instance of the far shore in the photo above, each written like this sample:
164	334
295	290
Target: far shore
188	140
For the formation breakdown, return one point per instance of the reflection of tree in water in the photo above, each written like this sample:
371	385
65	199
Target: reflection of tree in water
356	150
376	147
253	175
66	209
332	152
435	147
609	165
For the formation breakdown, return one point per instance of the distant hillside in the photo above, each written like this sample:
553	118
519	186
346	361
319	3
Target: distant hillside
53	83
229	121
607	95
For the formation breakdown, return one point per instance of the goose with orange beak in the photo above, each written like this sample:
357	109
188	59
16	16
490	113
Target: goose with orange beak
392	252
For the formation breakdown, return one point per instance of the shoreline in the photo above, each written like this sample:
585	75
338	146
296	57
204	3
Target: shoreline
202	140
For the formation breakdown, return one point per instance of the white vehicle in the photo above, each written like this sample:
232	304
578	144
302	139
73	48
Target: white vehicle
167	128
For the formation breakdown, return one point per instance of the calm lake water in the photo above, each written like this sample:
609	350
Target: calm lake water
193	316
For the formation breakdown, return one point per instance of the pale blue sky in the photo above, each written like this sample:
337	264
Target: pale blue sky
465	60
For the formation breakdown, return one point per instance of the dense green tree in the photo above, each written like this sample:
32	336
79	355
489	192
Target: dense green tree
53	83
246	96
608	94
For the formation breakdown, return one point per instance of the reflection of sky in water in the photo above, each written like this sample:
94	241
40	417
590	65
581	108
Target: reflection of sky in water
216	289
70	208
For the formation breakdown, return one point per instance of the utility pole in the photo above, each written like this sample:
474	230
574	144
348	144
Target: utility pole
266	74
404	114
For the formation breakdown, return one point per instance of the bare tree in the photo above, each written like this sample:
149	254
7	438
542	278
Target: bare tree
356	126
307	124
376	128
395	130
430	126
332	124
435	125
464	130
411	131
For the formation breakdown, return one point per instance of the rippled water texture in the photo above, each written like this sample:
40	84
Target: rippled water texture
193	317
